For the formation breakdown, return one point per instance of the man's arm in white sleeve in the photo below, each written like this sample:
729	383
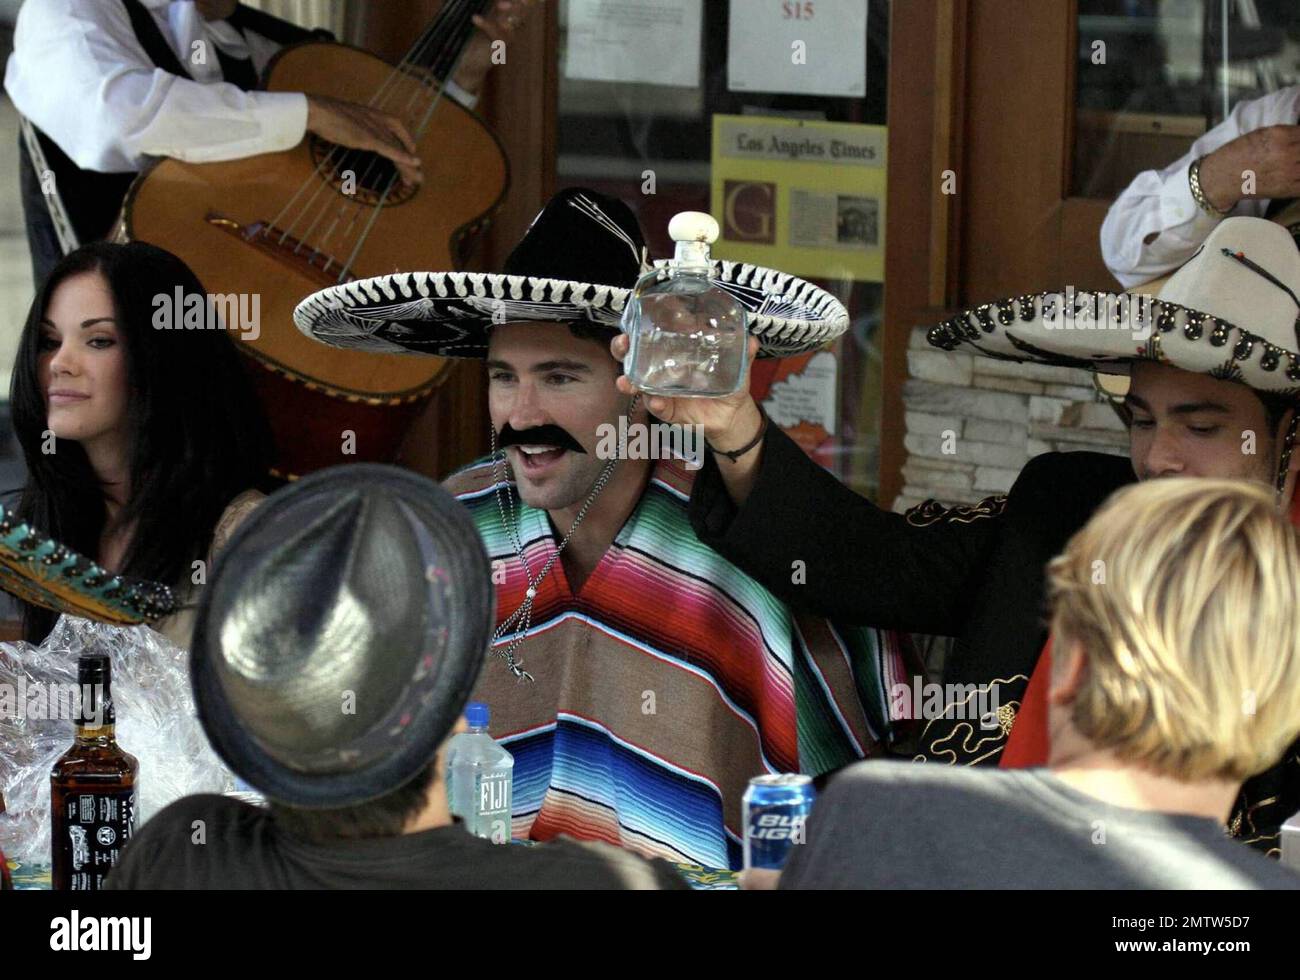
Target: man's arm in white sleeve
79	73
1156	225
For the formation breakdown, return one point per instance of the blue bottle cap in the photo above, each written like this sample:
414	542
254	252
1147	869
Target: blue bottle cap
476	714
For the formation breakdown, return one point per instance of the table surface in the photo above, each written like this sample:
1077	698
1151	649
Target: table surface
36	877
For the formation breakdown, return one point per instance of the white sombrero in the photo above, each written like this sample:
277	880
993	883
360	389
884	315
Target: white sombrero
1232	311
578	261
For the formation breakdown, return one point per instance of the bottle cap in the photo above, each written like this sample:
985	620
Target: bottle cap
476	713
693	226
93	668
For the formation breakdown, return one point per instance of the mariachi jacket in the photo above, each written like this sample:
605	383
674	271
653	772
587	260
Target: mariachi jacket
973	573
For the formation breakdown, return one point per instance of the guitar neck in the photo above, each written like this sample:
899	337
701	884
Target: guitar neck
440	45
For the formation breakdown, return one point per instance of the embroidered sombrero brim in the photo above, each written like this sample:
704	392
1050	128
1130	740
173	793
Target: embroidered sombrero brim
449	314
38	569
1232	311
1041	328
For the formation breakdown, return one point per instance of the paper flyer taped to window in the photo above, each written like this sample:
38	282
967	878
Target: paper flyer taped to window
801	395
798	47
658	42
807	397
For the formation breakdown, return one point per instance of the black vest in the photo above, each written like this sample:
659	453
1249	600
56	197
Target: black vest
93	199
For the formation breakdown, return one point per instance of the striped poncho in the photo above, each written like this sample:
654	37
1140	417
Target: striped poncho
665	683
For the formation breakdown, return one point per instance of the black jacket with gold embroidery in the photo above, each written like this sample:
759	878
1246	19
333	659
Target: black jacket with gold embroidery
973	573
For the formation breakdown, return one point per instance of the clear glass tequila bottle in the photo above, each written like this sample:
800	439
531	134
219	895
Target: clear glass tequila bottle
688	335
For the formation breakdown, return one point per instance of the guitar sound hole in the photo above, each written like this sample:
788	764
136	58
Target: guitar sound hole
360	175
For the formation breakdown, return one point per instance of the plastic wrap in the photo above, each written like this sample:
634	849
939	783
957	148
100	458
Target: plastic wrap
156	723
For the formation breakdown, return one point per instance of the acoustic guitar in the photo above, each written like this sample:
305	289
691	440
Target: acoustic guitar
282	225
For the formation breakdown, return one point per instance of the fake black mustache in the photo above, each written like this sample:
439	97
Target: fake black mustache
542	435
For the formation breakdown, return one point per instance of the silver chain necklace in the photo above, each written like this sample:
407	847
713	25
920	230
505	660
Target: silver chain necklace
522	617
1288	448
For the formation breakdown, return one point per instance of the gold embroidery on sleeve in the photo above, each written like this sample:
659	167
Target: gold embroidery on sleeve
933	512
1006	715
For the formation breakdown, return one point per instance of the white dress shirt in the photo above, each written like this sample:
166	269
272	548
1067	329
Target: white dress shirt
1160	203
80	75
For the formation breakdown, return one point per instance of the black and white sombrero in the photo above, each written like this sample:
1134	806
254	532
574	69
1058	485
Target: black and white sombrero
1232	311
578	261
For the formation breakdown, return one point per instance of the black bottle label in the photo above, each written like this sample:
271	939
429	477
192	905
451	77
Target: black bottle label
96	826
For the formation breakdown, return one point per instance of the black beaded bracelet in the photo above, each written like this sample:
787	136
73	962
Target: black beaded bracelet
735	454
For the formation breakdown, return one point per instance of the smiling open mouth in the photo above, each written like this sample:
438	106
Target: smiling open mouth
538	459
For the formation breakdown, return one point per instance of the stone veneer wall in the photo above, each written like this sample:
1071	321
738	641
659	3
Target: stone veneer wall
1000	413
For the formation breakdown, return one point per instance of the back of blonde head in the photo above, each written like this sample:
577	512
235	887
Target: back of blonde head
1183	596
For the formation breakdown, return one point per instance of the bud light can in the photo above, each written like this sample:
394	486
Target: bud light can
776	809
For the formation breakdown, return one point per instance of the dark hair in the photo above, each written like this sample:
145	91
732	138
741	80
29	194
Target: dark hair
384	817
593	331
1275	407
197	433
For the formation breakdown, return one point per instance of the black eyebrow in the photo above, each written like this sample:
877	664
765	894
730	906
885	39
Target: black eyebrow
560	366
84	323
1186	408
1193	408
545	366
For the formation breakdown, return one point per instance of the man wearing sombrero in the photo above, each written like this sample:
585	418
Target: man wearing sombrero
643	679
1215	380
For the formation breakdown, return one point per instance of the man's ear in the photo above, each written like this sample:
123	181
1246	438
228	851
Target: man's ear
440	758
1069	669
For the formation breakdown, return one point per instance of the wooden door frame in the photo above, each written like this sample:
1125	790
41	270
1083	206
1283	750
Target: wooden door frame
987	89
1024	231
927	65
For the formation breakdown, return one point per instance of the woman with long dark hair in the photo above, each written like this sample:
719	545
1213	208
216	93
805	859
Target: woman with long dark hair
144	441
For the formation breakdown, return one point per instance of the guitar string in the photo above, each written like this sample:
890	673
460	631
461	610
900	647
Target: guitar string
338	152
463	29
425	42
425	38
327	161
392	180
456	37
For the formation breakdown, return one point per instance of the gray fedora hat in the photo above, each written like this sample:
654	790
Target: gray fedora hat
342	631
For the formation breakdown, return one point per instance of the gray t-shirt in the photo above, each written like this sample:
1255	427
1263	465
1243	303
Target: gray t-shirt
242	848
884	824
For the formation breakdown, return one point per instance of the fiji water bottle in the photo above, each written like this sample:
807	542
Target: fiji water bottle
479	775
688	336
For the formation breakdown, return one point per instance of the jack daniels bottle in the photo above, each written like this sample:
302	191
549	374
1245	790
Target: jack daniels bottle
92	789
